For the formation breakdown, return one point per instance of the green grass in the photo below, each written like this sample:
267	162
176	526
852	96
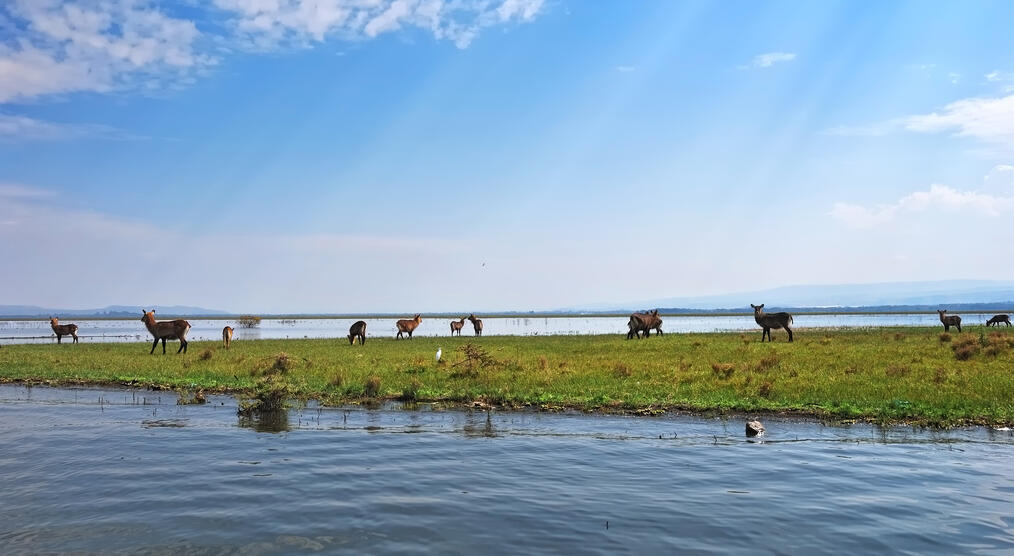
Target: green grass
883	375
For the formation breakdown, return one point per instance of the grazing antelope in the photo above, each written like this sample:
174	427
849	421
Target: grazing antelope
166	330
476	324
997	319
456	326
62	330
407	326
949	320
357	330
644	322
774	320
227	337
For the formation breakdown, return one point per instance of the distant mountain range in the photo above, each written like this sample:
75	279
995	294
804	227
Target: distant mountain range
954	295
31	311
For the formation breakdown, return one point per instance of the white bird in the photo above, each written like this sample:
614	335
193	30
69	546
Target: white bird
438	355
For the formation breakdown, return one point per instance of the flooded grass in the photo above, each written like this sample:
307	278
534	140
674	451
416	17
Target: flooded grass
850	374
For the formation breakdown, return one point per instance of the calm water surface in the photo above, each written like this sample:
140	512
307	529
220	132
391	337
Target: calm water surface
90	470
132	330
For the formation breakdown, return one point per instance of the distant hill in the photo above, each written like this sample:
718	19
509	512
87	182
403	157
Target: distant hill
888	296
32	311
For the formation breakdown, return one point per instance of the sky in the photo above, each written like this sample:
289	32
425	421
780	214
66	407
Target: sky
286	156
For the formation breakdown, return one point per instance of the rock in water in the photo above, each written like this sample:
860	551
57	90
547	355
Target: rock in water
754	428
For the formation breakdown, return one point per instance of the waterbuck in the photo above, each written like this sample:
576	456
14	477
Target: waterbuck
456	326
997	319
644	322
949	320
227	337
407	326
166	330
476	324
774	320
62	330
357	330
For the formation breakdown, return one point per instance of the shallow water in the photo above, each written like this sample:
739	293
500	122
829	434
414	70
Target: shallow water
132	330
93	470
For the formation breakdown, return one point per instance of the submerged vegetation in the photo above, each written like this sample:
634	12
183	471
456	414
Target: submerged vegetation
885	375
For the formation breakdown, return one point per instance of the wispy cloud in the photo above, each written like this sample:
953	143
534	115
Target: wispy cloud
60	47
937	197
988	119
23	128
770	58
625	69
267	25
18	191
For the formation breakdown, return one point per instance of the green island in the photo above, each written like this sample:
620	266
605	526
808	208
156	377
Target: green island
887	375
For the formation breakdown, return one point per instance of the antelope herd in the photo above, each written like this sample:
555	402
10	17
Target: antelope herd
637	324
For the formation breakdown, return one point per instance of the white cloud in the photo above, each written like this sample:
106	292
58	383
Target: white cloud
56	47
267	24
18	191
626	69
23	128
1000	179
771	58
987	119
93	46
937	197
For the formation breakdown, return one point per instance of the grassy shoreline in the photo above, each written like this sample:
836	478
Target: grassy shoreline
891	375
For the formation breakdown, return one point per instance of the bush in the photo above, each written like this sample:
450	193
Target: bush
723	370
372	387
206	354
944	337
248	321
621	371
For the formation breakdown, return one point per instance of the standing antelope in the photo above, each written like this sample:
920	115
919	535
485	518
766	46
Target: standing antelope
62	330
774	320
166	330
644	322
407	326
456	326
476	324
997	319
949	320
227	337
357	330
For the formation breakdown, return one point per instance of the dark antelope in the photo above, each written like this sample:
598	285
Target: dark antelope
166	330
456	326
476	324
644	322
774	320
227	337
407	326
357	330
62	330
997	319
949	320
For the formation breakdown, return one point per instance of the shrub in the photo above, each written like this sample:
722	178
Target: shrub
206	354
372	387
723	370
944	337
248	321
767	362
621	371
895	370
411	392
337	380
765	389
966	347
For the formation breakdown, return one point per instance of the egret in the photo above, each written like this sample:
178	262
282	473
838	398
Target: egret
438	355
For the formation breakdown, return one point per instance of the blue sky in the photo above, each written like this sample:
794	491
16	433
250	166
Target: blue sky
401	155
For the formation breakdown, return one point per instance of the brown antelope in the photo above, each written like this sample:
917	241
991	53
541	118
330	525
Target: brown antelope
456	326
476	324
997	319
62	330
227	337
774	320
949	320
166	330
357	330
644	322
407	326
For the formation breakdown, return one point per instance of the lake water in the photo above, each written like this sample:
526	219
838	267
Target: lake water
132	330
127	471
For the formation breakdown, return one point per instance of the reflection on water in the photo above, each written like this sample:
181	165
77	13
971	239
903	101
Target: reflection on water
132	330
91	470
